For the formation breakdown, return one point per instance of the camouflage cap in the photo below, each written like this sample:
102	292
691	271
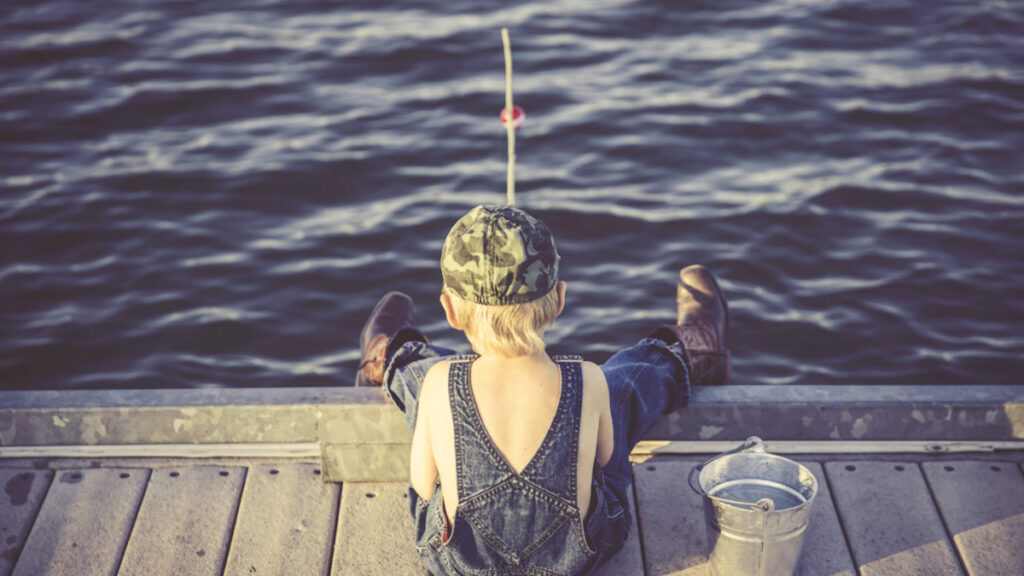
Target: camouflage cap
498	256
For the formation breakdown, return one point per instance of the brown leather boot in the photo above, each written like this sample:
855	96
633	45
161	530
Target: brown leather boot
703	318
392	313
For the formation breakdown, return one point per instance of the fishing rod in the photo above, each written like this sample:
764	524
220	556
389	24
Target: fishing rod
511	121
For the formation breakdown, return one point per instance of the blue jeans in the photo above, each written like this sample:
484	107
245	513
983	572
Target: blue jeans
645	381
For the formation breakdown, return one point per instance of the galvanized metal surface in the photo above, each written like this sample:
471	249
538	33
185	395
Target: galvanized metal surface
673	527
753	533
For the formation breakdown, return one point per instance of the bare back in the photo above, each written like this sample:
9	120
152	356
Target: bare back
517	399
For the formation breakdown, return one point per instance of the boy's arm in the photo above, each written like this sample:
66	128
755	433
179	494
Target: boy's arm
422	467
598	385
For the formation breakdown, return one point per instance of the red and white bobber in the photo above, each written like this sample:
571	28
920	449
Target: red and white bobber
518	117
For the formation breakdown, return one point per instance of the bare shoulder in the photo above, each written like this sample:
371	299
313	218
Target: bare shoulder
435	384
594	382
592	371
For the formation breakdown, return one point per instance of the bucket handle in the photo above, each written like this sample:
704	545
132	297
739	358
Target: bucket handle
753	443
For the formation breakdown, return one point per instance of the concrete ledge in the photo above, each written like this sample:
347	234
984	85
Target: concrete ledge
360	415
848	413
363	437
247	415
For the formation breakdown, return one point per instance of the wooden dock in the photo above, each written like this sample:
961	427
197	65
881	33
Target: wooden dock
913	480
875	515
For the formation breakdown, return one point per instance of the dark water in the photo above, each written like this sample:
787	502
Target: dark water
215	194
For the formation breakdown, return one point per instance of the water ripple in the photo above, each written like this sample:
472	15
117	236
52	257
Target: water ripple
215	195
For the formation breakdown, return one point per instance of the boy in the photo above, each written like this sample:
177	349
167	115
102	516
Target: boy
519	461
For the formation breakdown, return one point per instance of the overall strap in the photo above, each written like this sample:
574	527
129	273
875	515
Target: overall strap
518	520
479	465
555	463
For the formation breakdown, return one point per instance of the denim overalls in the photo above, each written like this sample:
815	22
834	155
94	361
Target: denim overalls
528	523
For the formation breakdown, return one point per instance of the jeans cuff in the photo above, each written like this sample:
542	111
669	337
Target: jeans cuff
398	355
665	334
404	335
682	396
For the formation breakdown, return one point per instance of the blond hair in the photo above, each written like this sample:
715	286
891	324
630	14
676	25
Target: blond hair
513	330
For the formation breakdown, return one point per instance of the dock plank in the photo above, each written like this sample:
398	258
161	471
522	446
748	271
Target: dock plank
983	506
629	560
84	523
824	552
374	536
671	519
24	490
286	522
185	521
890	519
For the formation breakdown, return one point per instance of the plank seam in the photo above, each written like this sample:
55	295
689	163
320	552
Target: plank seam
942	519
234	523
135	518
839	515
28	535
329	565
334	536
639	529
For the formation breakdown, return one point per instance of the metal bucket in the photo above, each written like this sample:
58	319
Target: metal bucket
756	509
